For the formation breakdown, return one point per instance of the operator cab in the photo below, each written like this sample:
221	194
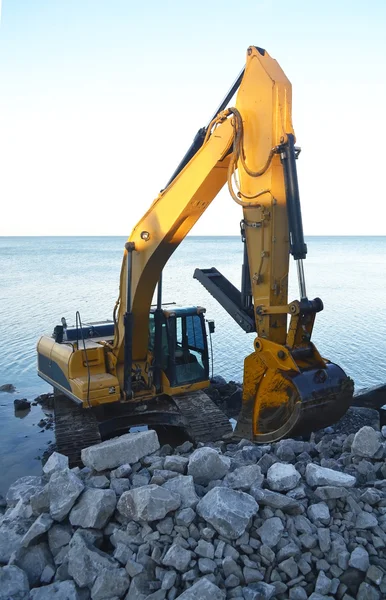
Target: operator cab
184	356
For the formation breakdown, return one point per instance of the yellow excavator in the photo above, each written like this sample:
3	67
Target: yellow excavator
150	364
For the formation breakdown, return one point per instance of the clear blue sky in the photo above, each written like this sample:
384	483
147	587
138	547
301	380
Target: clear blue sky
99	101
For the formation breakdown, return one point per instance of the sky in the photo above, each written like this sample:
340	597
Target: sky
99	100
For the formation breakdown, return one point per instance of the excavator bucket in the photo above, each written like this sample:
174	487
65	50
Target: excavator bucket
288	404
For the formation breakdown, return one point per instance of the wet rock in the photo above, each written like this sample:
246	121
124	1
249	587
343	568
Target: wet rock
289	567
56	462
64	488
366	442
128	448
323	584
177	557
7	387
374	574
148	503
282	477
23	489
321	476
59	590
206	465
22	404
37	529
227	510
204	549
330	492
13	583
243	478
203	589
271	531
183	486
276	500
94	508
110	583
185	517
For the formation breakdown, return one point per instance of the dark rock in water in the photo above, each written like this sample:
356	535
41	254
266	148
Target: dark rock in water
22	404
7	387
46	400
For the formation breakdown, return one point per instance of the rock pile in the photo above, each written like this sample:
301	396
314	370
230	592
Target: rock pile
293	520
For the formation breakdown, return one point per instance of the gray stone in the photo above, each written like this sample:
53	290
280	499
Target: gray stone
148	503
323	584
374	574
128	448
227	510
33	560
230	567
47	575
64	488
316	476
98	481
185	517
359	559
251	575
367	592
204	549
183	486
59	590
282	477
56	462
11	534
324	539
59	536
122	471
271	531
206	565
297	593
259	591
94	508
203	589
23	489
133	568
40	501
177	557
13	583
176	463
366	442
289	567
275	500
85	562
366	520
206	465
330	492
319	513
243	478
110	583
119	486
40	526
168	580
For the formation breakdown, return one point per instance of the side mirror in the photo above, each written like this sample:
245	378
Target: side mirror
210	326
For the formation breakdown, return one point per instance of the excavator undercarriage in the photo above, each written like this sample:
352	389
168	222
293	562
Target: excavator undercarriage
151	364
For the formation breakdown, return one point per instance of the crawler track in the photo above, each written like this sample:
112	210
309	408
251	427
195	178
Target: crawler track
75	428
204	421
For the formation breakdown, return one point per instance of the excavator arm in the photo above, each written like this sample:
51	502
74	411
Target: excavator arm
288	387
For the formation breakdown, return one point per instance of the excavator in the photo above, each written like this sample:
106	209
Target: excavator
150	363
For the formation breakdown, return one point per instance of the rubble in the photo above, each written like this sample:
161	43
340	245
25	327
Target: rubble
298	520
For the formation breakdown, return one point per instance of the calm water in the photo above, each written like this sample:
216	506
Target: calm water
43	279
